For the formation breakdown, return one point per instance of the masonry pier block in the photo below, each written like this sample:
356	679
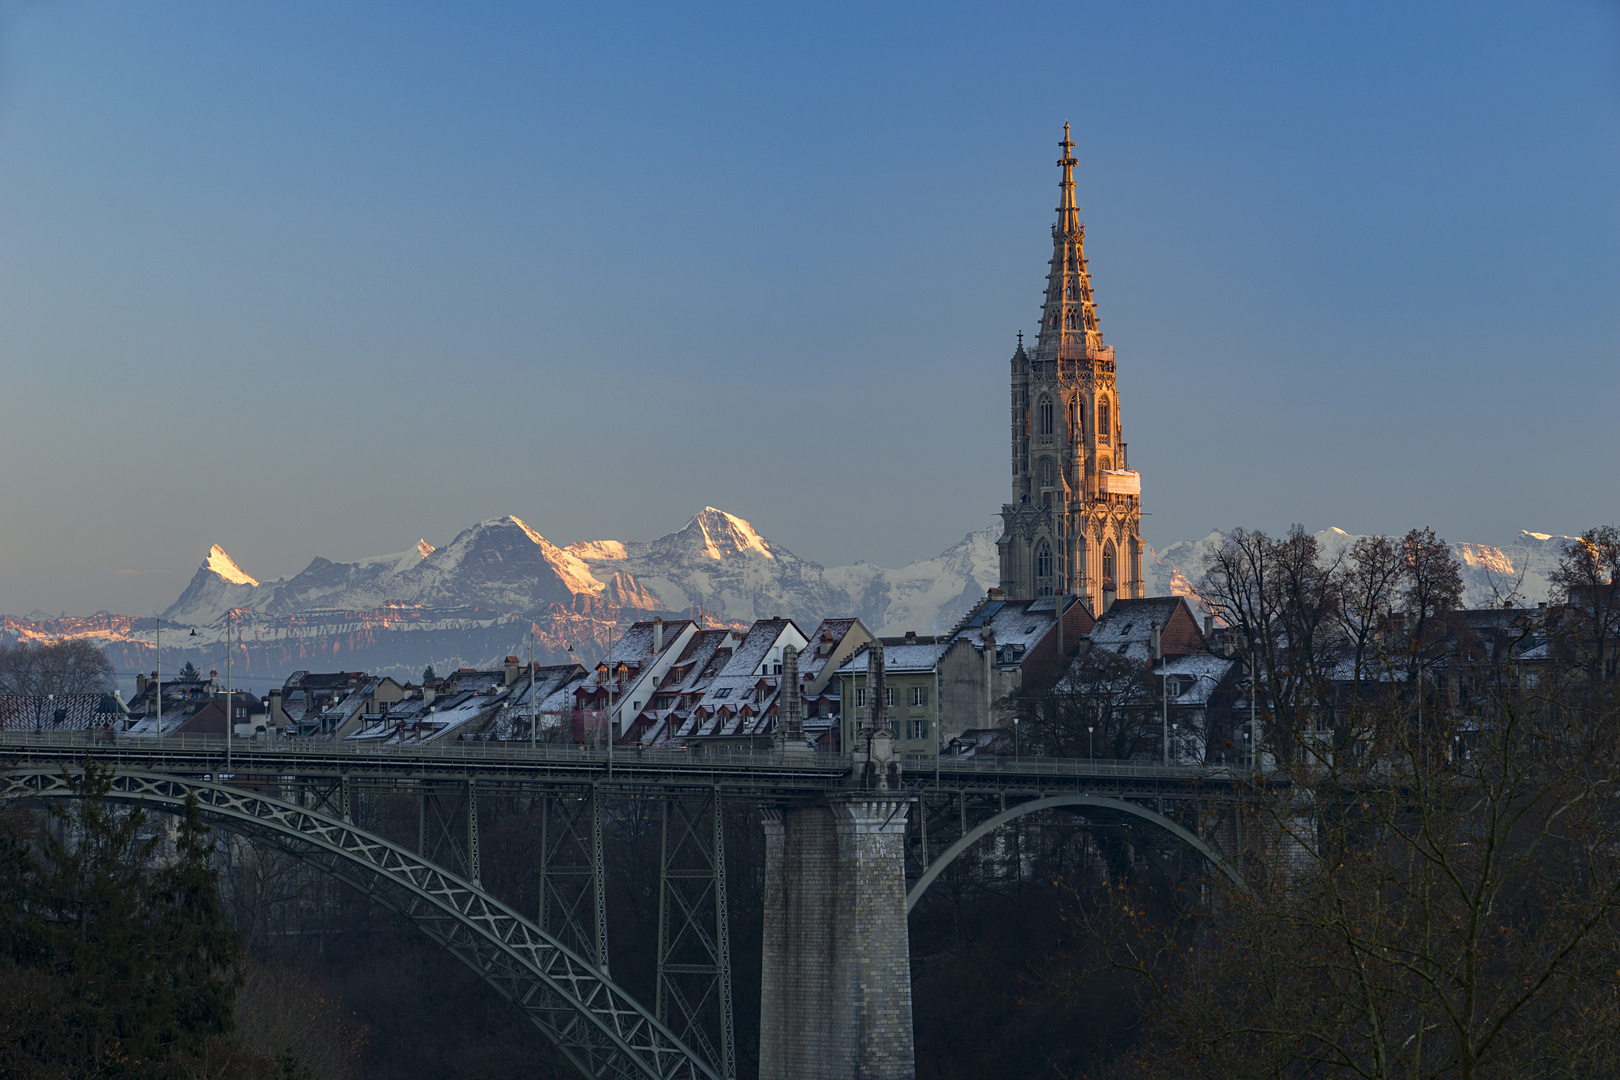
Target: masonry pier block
835	1001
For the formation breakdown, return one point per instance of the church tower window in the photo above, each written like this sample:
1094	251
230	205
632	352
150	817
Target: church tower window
1104	424
1108	566
1046	414
1043	569
1046	472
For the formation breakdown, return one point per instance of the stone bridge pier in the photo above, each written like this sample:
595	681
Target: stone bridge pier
835	1001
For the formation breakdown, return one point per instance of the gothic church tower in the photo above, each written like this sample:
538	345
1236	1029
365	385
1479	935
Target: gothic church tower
1074	523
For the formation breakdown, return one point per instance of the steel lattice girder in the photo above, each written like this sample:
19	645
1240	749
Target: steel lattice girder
600	1028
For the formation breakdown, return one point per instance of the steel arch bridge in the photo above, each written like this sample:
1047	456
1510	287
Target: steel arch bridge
600	1029
1049	802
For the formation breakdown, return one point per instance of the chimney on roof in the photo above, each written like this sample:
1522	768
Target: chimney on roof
511	670
1157	641
1209	627
140	683
658	633
911	637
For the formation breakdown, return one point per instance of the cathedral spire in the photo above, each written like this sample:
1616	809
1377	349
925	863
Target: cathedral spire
1069	316
1068	210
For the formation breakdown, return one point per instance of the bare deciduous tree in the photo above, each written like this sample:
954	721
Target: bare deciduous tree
1448	906
1587	581
74	666
1105	706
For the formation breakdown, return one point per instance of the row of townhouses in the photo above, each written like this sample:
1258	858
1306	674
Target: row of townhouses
676	684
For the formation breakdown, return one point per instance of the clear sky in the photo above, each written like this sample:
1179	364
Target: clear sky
320	279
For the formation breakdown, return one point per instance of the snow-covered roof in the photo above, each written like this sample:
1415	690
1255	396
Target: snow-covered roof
1127	627
635	646
899	655
811	659
1018	625
705	656
447	717
1196	675
23	712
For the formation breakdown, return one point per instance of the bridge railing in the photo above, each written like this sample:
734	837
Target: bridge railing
360	750
1070	767
917	767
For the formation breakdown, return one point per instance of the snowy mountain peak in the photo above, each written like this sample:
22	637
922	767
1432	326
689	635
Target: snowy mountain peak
520	523
223	565
723	534
425	548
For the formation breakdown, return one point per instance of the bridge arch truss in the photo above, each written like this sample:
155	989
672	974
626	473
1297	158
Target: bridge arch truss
601	1029
1007	814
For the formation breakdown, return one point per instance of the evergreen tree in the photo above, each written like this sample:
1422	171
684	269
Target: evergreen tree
138	964
189	673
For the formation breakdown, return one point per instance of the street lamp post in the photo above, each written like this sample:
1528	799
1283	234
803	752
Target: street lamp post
1090	753
230	711
1015	736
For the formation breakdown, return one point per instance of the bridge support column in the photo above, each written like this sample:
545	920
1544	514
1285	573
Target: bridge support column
835	1000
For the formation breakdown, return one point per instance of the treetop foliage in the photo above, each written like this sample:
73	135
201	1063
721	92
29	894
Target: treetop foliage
74	666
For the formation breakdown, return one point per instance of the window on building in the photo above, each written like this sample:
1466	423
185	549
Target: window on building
1043	560
860	698
1045	412
919	695
1108	565
1046	472
919	729
1104	423
888	697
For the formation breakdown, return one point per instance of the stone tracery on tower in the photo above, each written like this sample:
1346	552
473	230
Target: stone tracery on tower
1073	526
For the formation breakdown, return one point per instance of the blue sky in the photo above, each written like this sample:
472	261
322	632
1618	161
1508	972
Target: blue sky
317	279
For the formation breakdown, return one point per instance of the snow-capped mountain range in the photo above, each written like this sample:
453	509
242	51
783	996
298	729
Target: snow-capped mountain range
483	594
716	564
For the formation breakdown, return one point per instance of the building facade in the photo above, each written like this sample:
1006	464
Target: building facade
1073	526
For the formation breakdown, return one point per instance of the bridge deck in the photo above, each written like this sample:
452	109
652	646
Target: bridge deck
760	773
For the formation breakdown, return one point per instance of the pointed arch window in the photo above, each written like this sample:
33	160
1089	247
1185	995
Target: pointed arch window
1045	411
1104	420
1046	472
1043	569
1108	565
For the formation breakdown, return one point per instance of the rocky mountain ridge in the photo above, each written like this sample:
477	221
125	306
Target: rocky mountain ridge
500	585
